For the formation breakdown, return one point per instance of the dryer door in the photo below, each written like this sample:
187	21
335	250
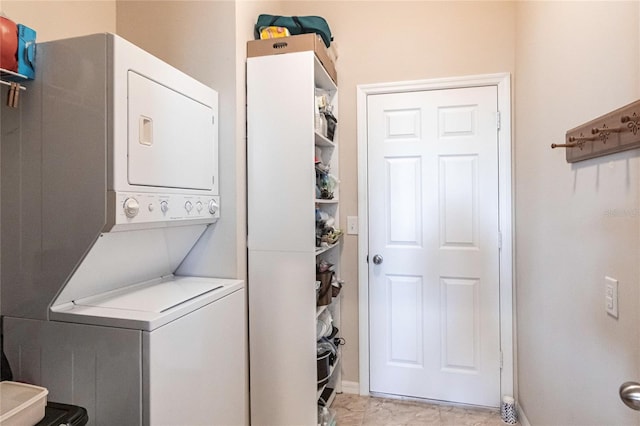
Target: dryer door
171	137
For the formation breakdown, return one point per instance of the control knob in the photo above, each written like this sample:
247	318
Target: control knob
199	206
213	207
188	206
164	206
131	207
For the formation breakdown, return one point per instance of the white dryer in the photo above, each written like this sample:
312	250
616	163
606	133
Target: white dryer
110	176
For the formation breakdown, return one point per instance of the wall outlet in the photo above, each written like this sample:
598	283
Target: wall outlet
611	296
352	225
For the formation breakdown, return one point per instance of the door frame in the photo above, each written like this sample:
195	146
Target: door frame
505	198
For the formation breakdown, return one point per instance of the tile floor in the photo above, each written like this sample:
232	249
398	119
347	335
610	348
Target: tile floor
355	410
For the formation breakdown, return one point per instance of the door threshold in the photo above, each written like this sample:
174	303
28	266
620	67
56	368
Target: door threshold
431	401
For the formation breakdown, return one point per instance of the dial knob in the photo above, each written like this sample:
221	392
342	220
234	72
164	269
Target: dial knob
188	206
199	206
131	207
164	206
213	207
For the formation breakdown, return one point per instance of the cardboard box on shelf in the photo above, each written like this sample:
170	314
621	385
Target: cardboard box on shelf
297	43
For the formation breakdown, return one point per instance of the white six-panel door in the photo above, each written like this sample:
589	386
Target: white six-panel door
434	327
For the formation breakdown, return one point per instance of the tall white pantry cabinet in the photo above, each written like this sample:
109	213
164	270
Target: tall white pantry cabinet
281	148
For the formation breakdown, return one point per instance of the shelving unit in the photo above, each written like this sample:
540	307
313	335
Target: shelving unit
323	141
321	250
334	370
320	309
281	147
7	77
11	80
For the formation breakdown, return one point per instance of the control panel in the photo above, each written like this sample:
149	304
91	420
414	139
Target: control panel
148	208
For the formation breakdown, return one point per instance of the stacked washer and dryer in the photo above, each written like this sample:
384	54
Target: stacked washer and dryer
109	178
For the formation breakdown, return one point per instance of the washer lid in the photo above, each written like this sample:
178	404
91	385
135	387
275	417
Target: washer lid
146	306
157	297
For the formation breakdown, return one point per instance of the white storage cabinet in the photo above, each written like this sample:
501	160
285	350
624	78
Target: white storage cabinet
282	145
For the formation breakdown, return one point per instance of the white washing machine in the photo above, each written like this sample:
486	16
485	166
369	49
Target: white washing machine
110	177
168	352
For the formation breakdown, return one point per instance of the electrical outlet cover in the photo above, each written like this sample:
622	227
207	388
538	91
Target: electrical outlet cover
611	296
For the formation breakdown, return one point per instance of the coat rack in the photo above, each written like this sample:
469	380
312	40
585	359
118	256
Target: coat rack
616	131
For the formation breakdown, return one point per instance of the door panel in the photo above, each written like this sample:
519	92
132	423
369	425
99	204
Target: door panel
405	320
458	201
404	188
460	324
433	217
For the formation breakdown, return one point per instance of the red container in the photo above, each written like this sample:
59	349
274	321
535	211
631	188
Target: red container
8	44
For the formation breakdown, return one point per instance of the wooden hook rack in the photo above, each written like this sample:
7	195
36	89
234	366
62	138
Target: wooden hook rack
616	131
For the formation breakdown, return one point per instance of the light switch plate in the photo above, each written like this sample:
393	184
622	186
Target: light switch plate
611	296
352	225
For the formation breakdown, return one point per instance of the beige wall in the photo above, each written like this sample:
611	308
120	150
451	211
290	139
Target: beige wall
381	41
574	62
61	19
207	39
198	37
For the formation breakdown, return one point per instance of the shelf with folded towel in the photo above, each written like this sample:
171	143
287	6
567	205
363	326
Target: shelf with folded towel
616	131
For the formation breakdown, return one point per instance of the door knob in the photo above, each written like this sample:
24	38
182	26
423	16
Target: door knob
630	395
377	259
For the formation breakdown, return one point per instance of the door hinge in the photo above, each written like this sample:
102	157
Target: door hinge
499	240
498	119
501	360
367	258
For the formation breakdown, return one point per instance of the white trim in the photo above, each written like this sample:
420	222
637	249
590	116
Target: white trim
505	188
522	418
350	387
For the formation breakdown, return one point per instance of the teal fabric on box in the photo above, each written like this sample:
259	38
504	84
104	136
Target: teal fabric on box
26	51
296	25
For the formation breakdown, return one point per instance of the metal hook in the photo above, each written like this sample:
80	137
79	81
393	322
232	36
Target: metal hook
597	130
632	122
564	145
581	139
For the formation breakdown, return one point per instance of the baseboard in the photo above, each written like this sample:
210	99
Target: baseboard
522	418
351	387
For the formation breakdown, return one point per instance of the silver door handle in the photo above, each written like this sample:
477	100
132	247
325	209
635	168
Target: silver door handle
630	395
377	259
